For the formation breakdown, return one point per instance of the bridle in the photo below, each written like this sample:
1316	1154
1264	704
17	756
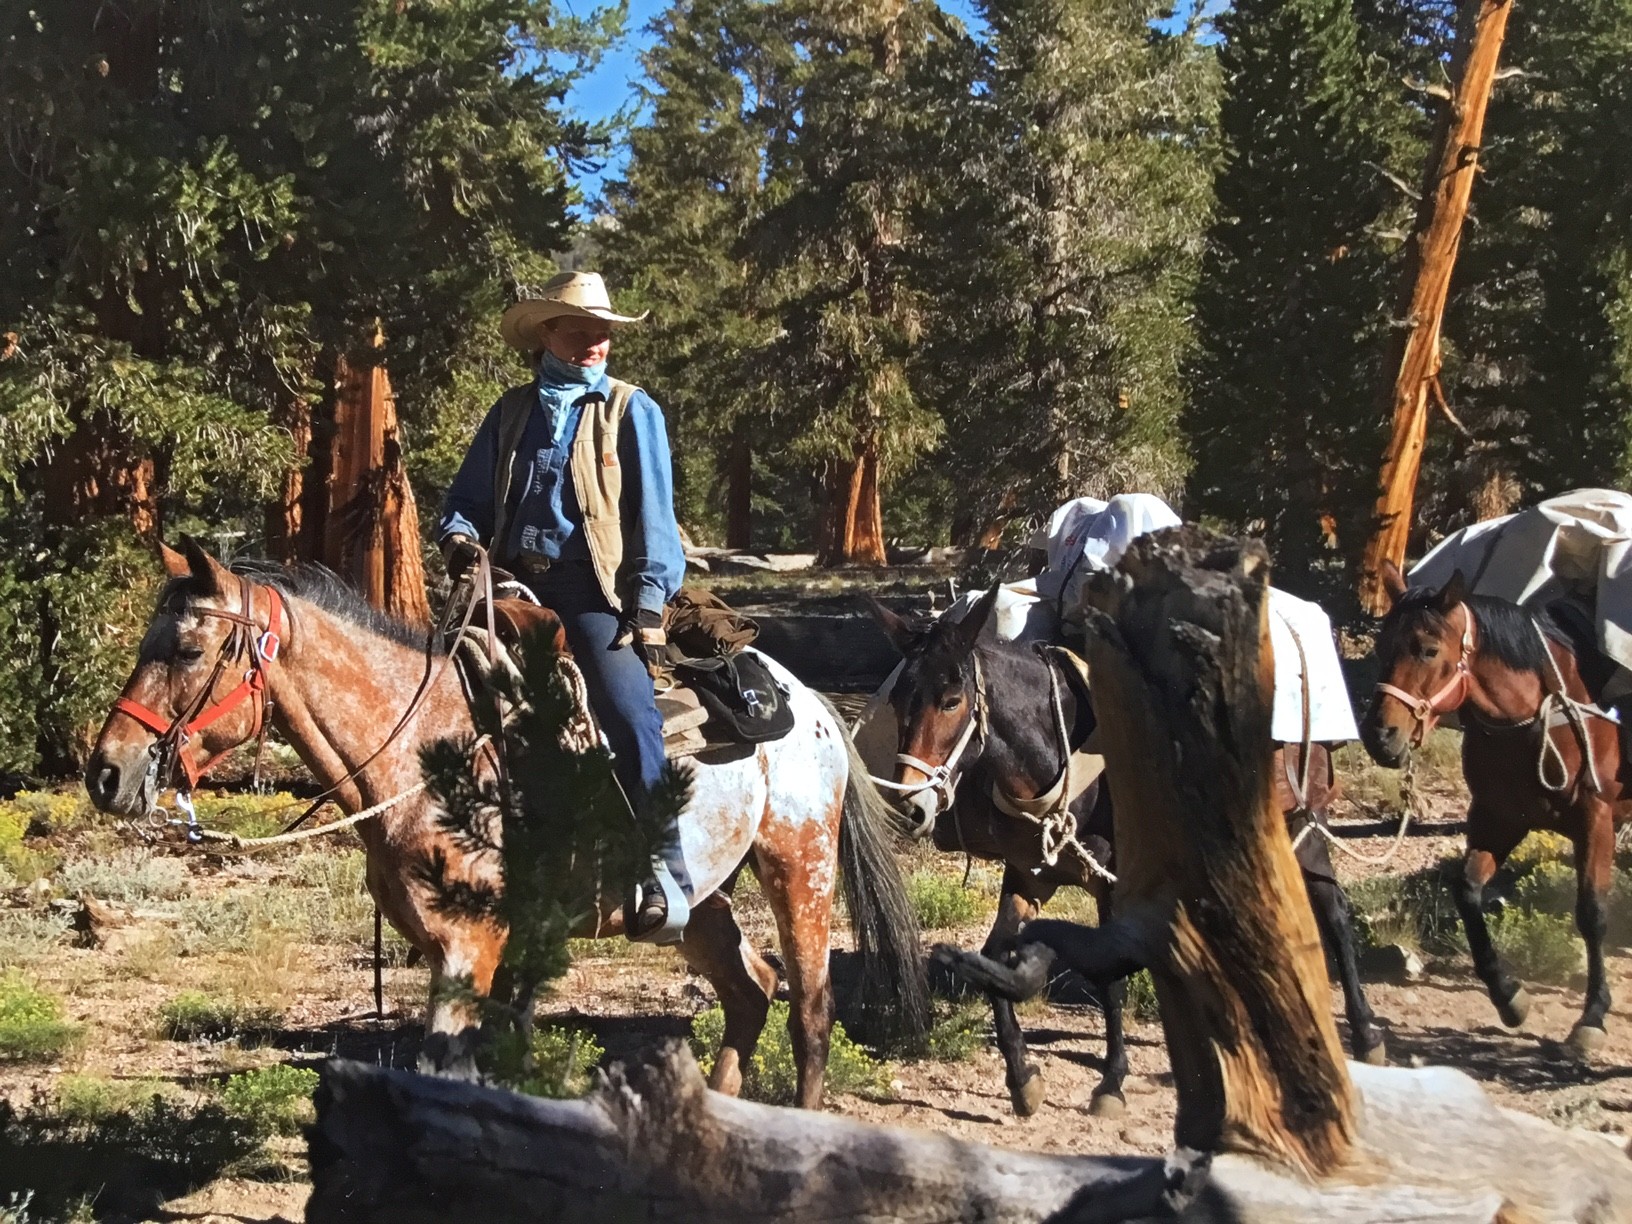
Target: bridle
942	780
169	751
1428	710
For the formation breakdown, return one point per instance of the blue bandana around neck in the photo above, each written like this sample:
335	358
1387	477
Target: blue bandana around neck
553	372
560	385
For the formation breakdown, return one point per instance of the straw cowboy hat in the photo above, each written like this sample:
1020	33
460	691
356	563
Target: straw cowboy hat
579	294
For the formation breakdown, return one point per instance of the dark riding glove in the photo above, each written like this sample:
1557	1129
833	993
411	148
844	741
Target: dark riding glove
643	630
459	553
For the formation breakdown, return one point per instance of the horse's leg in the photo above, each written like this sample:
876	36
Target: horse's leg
1490	841
714	946
1594	859
1018	905
1335	918
464	959
1108	1101
799	876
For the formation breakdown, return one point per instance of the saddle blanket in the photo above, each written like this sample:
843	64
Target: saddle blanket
1578	544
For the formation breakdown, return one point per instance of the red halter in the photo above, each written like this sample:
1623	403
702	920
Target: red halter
175	733
1450	695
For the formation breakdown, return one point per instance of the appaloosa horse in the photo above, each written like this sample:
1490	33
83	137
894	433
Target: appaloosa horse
1537	753
985	730
333	676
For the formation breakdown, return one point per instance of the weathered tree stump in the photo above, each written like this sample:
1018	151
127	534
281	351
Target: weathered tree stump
1275	1128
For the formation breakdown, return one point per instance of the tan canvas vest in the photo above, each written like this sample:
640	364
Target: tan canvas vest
597	476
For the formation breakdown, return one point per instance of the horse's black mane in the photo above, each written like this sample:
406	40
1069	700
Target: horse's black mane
1506	631
320	585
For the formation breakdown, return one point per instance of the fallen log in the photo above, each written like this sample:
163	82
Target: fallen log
1273	1127
652	1142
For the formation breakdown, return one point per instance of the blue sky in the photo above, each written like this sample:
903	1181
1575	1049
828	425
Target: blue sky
611	86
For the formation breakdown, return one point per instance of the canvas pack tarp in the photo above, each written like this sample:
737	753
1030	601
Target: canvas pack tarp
1578	544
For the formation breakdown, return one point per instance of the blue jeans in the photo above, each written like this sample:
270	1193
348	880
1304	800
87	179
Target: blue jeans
620	689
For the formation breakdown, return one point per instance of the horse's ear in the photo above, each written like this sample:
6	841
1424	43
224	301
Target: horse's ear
1453	592
175	563
205	569
969	627
1393	580
895	627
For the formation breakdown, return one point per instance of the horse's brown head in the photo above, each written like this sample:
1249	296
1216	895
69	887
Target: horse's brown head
1424	651
197	689
937	701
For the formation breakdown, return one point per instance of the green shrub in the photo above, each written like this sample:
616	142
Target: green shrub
28	934
1548	888
249	815
117	1164
770	1075
1415	911
92	1098
275	1100
195	1016
128	875
959	1029
59	811
562	1063
1540	847
1142	1004
941	901
1538	947
31	1025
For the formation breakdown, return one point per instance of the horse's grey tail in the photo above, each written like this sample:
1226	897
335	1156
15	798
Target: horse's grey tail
894	996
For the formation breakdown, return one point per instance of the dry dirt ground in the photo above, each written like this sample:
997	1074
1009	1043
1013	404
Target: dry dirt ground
289	935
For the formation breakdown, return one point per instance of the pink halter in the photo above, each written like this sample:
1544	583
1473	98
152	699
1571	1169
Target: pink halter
1427	710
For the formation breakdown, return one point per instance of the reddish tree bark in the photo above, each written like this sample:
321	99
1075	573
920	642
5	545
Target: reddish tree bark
1430	260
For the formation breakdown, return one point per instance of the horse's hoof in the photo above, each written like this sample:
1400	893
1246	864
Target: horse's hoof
1587	1039
1028	1095
1514	1011
1108	1105
1377	1055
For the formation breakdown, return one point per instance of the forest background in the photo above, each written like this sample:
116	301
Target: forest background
909	277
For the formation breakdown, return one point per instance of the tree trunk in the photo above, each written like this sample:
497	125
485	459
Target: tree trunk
652	1142
283	516
373	524
851	531
1430	259
739	489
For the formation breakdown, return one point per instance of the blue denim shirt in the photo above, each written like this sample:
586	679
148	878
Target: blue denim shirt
548	519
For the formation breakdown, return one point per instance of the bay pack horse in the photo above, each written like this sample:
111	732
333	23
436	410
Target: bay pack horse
985	730
1537	753
226	650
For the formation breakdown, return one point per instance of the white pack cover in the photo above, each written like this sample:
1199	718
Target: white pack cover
1294	622
1579	543
1088	535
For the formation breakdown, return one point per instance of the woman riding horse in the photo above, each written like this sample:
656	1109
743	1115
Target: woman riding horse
568	484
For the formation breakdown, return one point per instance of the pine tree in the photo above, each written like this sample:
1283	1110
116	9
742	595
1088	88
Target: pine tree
203	206
833	252
721	75
1283	411
1544	317
1066	259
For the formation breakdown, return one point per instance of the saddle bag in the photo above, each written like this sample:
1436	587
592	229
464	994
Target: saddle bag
743	700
